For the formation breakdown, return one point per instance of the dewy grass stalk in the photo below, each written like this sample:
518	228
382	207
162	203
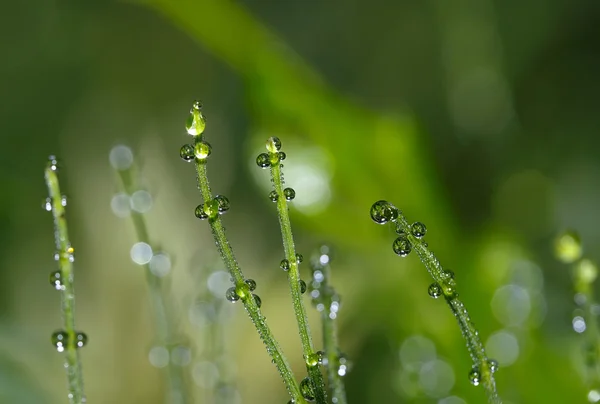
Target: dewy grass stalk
291	263
211	209
122	159
568	249
327	302
67	340
411	237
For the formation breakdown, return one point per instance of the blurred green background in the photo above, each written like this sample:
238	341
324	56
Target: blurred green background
478	118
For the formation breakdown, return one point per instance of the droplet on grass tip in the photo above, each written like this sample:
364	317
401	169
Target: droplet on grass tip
307	390
493	364
383	212
47	205
52	163
475	376
285	265
56	280
257	300
222	203
315	358
81	339
273	196
251	284
302	286
281	156
195	123
231	295
60	339
273	144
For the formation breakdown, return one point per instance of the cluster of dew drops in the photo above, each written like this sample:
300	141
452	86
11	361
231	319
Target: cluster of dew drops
383	212
61	339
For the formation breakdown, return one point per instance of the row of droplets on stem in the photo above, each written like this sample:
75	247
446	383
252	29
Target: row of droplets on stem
410	237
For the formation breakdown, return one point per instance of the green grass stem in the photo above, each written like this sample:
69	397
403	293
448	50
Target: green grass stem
65	257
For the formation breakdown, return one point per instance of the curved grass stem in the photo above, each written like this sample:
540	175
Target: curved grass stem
164	321
294	276
64	255
483	368
226	253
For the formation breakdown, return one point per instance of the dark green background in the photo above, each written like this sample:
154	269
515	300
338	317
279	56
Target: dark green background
479	118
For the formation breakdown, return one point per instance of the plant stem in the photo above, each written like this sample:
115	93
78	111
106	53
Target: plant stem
294	280
65	254
330	343
468	330
259	321
158	296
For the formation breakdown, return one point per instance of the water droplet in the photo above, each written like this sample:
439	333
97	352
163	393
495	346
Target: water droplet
60	339
383	212
251	284
475	376
257	300
63	200
302	286
289	194
567	247
299	258
448	274
47	205
307	390
80	339
200	213
273	196
222	204
315	358
493	365
56	280
284	264
231	295
202	150
187	152
418	229
211	208
281	155
242	290
197	105
195	123
402	246
273	144
141	253
141	201
344	365
263	160
52	163
434	290
593	396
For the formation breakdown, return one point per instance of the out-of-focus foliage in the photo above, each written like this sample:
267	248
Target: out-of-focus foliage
478	119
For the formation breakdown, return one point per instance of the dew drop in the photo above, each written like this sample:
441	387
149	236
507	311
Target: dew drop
80	339
418	229
302	286
449	274
60	339
263	160
211	208
284	264
197	105
307	390
435	290
383	212
299	258
47	205
475	376
63	201
273	196
195	123
493	364
222	204
202	150
56	280
257	300
187	152
344	365
251	284
567	247
52	163
273	144
231	295
121	157
200	213
315	358
289	194
281	156
402	246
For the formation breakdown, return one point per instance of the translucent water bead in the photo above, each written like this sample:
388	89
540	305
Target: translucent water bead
402	246
273	144
307	390
383	212
195	123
